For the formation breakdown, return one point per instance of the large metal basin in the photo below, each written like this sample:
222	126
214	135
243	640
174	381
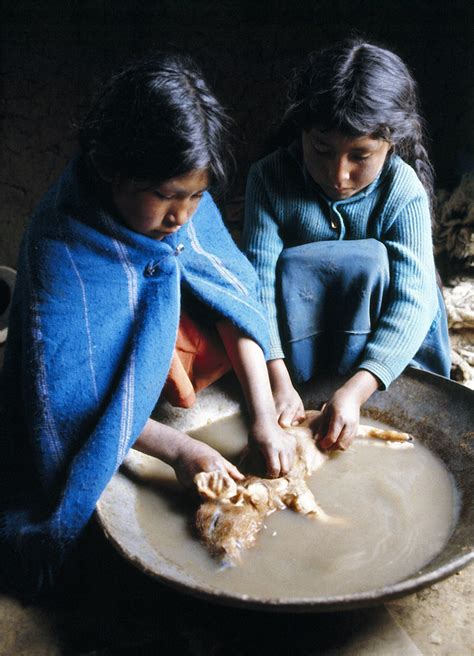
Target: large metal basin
436	411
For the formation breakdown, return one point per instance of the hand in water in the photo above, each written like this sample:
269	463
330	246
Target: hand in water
196	457
275	445
337	425
289	407
288	404
339	420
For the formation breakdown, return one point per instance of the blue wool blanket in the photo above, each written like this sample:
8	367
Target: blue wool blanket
92	331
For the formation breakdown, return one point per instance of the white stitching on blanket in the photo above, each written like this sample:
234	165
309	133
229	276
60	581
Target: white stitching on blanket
235	282
126	420
86	318
237	298
51	432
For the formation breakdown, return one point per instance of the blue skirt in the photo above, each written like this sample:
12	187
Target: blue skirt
330	296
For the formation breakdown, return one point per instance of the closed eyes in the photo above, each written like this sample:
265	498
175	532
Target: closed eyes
159	194
322	152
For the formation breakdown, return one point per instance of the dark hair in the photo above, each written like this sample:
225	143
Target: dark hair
358	88
155	120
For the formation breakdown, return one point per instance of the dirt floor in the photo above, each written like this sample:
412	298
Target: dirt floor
111	608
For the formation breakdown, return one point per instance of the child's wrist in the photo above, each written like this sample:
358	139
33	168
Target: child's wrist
278	374
362	385
172	446
263	421
180	449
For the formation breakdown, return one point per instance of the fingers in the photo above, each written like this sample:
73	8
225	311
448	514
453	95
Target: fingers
221	464
330	428
345	438
286	418
343	441
321	428
286	461
291	416
337	436
233	471
272	462
290	412
278	462
299	414
200	457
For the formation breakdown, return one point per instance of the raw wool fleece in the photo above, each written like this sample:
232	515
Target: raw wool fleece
92	331
454	233
454	239
459	298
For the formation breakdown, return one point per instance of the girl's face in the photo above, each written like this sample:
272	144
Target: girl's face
157	211
340	165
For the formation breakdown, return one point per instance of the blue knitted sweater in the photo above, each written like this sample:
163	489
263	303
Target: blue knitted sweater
284	207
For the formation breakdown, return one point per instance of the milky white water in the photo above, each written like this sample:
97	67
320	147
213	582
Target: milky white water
396	506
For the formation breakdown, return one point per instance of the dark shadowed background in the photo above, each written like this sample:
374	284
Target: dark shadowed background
56	52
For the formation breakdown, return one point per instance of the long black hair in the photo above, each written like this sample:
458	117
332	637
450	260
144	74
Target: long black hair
155	120
358	88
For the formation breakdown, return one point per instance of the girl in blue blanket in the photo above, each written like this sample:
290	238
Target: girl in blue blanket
338	227
126	238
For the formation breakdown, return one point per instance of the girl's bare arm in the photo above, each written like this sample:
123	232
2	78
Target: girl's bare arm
288	404
276	446
186	455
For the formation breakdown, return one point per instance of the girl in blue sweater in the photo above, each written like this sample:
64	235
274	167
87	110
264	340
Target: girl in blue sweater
338	228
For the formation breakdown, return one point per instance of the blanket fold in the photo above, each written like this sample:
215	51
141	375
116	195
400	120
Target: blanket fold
93	326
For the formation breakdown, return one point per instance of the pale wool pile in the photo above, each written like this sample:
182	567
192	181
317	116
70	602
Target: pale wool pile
459	299
454	231
454	240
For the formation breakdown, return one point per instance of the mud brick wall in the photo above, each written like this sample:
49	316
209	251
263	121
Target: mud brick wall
53	54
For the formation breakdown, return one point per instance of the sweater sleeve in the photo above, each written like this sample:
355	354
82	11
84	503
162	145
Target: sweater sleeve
263	245
412	298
